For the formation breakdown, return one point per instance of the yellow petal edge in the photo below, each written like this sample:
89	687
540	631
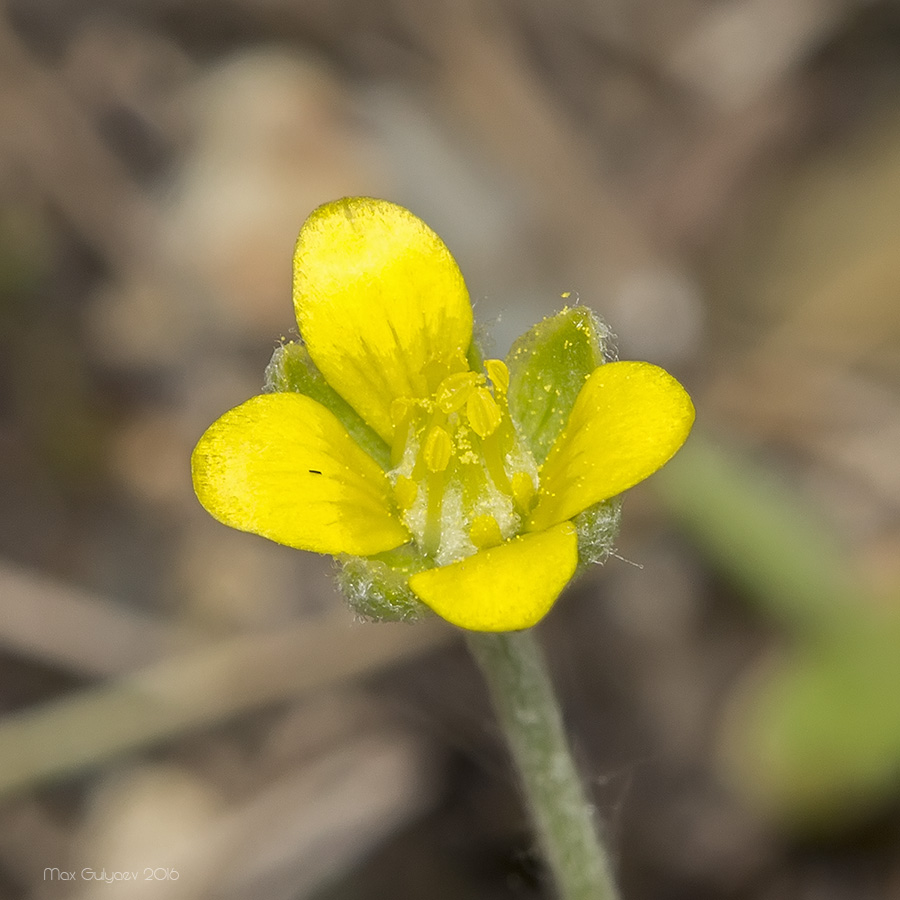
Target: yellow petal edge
282	466
378	297
506	588
628	420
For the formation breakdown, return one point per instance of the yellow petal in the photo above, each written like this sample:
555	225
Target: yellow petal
628	420
282	466
378	297
506	588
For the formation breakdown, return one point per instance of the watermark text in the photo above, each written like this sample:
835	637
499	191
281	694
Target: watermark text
148	873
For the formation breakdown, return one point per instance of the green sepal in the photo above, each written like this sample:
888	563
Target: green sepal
597	528
548	366
377	587
292	369
474	356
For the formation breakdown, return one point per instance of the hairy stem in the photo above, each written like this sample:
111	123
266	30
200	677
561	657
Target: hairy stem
526	705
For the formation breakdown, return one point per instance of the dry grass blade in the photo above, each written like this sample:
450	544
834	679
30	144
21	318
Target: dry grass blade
196	689
56	144
58	625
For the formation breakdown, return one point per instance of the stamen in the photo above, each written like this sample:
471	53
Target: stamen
402	410
485	532
523	492
460	447
454	390
499	374
490	450
436	370
405	492
431	539
482	412
437	450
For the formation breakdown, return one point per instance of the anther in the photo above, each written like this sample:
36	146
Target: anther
437	450
482	412
405	492
485	532
400	409
523	491
454	390
499	375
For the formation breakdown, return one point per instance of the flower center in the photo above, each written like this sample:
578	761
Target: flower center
463	480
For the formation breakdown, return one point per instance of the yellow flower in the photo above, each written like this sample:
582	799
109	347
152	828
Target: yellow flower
480	500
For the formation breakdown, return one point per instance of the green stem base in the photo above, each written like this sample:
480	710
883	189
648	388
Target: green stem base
526	705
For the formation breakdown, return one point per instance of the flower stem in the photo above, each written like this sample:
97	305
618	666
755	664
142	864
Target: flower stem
520	687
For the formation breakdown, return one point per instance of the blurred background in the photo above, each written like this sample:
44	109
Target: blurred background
719	179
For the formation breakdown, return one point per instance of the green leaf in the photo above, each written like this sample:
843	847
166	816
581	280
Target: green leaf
814	740
547	367
764	535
